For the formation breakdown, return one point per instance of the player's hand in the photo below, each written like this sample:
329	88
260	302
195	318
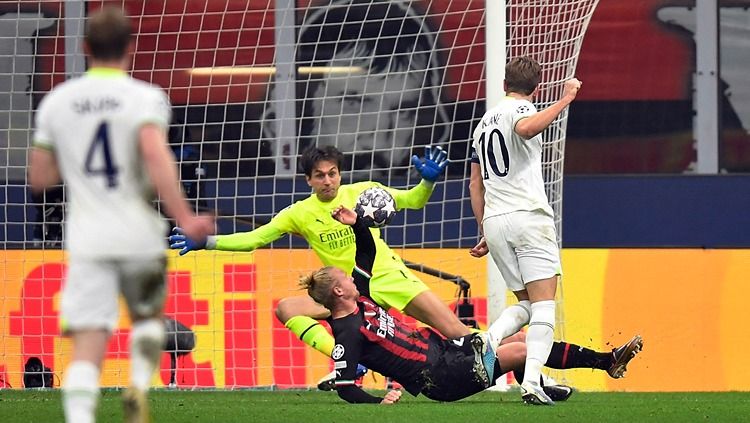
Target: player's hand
344	215
435	161
570	88
391	397
480	250
180	241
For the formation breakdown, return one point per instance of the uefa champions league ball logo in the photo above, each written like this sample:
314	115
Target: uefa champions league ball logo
376	207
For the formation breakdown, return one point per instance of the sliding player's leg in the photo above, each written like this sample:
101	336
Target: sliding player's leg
570	356
143	285
564	355
88	314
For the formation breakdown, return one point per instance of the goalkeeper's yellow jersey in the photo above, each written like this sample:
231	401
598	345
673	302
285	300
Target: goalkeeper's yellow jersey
332	241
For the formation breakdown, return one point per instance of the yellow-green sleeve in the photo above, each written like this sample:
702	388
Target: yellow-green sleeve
414	198
248	241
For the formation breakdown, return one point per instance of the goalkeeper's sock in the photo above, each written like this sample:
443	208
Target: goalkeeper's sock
571	356
511	320
146	344
312	333
539	339
80	391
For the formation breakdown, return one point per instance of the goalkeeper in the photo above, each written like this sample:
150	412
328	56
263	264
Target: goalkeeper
392	284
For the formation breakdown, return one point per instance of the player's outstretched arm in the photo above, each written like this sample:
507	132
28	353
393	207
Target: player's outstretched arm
529	127
430	167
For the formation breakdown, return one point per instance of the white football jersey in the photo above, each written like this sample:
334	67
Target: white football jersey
91	124
511	166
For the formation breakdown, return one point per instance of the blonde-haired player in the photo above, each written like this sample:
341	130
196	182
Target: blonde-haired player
105	135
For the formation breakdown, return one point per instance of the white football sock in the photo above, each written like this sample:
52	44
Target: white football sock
539	339
511	320
80	392
146	345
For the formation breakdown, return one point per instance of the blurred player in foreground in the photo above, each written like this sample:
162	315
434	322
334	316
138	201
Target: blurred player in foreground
512	210
421	360
393	284
105	135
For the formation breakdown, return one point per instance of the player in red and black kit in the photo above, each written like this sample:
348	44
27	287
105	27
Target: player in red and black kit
420	360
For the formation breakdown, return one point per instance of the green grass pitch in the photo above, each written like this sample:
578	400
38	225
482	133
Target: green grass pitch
314	406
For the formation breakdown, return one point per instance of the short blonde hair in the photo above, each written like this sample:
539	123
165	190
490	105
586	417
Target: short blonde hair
319	285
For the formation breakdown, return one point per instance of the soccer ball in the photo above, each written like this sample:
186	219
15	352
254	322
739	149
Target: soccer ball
375	206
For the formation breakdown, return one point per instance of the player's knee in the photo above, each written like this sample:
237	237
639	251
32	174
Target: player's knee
148	335
516	337
518	351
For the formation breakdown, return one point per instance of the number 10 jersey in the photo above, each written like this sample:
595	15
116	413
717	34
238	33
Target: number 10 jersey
511	167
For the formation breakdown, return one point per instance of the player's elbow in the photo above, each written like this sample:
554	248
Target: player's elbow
475	186
528	127
526	130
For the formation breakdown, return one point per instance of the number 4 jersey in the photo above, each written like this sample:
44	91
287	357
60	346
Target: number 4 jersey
511	167
92	125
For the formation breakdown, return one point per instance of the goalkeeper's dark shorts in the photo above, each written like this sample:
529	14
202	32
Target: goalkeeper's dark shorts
451	375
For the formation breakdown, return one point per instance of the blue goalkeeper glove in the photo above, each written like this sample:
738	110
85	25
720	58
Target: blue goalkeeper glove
435	161
178	240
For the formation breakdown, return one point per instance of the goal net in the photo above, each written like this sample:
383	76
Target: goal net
252	83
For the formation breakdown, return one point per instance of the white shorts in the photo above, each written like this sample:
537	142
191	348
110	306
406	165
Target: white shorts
93	286
523	244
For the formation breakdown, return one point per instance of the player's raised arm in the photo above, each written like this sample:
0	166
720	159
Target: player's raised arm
366	250
529	127
430	167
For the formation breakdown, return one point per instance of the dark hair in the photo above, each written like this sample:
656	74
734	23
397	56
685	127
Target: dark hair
313	154
108	33
522	75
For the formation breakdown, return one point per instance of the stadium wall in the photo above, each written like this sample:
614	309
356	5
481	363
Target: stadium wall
688	304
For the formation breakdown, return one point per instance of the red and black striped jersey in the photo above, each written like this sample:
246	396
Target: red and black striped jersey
381	342
373	337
